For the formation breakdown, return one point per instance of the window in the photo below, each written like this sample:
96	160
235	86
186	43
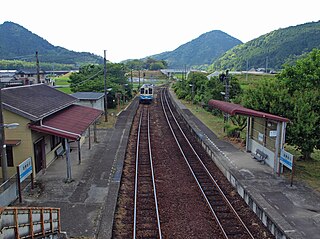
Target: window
55	140
9	156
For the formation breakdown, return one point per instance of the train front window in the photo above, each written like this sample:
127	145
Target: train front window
142	91
150	91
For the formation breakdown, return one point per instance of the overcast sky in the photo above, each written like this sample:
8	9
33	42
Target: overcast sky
132	29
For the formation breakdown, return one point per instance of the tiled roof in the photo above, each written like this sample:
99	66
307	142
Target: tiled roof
35	102
88	95
69	123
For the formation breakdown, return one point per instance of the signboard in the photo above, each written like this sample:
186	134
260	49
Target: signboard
286	159
25	169
260	137
273	133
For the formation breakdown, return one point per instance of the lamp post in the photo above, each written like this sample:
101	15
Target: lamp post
105	87
192	92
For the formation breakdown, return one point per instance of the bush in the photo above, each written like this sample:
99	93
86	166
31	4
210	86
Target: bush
232	130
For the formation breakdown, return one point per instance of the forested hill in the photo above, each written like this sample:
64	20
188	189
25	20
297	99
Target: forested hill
200	51
271	50
16	42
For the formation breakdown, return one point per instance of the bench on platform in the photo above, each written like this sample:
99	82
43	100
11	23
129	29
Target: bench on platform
260	156
60	151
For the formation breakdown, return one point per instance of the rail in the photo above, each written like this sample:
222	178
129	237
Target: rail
226	216
144	225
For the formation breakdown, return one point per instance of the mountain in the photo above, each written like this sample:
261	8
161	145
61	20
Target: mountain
200	51
16	42
271	50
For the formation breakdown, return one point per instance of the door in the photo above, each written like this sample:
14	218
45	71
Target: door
39	155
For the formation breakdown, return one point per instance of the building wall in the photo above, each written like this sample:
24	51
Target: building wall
97	104
50	155
28	137
23	133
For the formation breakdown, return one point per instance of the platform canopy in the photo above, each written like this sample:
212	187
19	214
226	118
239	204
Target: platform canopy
68	123
236	109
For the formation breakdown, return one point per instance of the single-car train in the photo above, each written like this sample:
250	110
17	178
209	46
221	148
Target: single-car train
146	94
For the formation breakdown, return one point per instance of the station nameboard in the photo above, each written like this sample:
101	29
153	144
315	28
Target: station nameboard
286	159
25	169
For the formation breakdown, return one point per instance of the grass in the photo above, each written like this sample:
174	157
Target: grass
62	80
246	81
62	83
66	90
214	123
307	171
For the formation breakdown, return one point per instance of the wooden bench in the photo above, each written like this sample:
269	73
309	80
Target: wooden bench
60	151
260	156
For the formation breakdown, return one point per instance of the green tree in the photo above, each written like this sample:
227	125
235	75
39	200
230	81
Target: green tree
302	81
91	78
294	94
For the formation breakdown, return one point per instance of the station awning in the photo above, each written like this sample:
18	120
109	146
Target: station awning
233	109
12	142
68	123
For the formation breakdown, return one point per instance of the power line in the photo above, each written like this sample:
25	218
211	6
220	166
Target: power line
81	82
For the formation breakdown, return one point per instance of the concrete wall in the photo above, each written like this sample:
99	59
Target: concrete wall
255	145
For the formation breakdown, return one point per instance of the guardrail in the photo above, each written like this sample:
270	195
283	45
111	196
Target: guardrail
30	222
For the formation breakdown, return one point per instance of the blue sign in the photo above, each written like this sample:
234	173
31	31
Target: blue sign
25	169
286	159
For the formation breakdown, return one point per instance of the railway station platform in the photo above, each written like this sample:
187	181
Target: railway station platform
288	211
87	204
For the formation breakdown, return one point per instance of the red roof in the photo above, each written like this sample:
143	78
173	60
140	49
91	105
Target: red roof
69	123
233	109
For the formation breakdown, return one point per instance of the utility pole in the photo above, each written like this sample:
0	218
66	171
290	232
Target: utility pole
4	163
139	80
227	93
227	86
38	68
266	65
105	88
247	70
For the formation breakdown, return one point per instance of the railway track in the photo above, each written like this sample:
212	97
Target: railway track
229	221
166	193
146	221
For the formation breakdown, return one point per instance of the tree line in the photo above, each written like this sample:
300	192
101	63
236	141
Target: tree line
294	93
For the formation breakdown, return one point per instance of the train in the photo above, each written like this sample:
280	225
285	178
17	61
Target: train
146	94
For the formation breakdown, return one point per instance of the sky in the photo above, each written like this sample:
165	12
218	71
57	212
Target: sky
134	29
